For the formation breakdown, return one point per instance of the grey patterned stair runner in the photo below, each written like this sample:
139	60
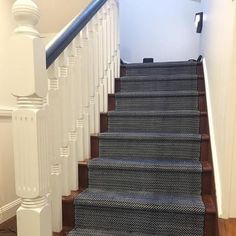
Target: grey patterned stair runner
158	83
162	68
147	179
145	175
154	121
150	146
157	101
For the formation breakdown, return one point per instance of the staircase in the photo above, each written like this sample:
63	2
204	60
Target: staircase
154	174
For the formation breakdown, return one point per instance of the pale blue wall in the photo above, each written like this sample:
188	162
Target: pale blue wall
163	29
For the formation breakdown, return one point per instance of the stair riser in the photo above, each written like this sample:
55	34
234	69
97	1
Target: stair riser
203	127
160	85
153	181
200	85
161	71
149	149
170	124
130	220
159	103
201	106
205	151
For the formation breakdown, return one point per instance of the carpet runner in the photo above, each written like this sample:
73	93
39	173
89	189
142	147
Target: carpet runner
147	179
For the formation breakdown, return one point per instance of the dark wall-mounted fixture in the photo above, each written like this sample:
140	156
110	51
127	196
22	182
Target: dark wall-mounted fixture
148	60
199	21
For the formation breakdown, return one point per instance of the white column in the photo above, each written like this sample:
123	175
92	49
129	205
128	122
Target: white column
29	85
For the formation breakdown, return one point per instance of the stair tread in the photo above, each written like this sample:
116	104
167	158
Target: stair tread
147	165
98	232
141	200
151	136
158	94
157	113
143	78
161	64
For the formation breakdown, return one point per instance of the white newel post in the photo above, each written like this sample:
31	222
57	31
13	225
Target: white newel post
29	85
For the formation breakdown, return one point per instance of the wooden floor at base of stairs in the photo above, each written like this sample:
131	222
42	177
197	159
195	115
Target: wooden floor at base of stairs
226	227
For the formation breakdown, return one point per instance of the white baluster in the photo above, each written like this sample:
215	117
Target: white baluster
73	180
96	74
63	74
80	116
118	38
56	178
65	155
105	53
113	52
101	60
54	128
91	62
29	85
109	32
73	174
85	80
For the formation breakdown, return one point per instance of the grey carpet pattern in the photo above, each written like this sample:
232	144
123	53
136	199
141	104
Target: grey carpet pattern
158	83
154	121
162	68
157	101
147	179
150	146
145	175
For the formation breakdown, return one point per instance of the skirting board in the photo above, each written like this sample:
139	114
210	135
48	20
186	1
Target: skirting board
9	210
213	143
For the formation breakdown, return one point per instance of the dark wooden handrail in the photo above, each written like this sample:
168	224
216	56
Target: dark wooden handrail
72	31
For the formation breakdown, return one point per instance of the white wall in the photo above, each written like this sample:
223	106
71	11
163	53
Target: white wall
162	29
219	49
55	14
8	199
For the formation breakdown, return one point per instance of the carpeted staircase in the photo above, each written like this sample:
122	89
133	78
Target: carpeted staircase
148	177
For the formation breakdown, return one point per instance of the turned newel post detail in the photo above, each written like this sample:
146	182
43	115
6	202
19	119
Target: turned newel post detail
29	86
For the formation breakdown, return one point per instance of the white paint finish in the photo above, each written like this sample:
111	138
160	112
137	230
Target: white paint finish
218	48
232	107
7	175
6	26
55	14
160	29
34	218
217	173
6	111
